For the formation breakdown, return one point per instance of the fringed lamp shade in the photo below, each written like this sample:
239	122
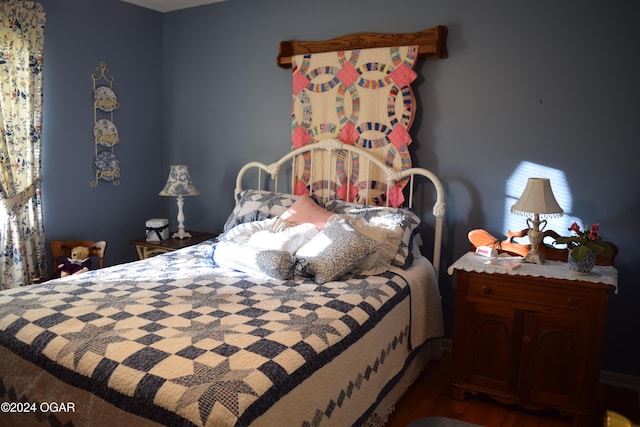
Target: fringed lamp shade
537	198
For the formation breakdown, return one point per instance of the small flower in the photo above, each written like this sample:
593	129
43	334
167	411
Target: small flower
575	227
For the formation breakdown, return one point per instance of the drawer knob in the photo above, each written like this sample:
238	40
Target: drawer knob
486	290
526	340
572	301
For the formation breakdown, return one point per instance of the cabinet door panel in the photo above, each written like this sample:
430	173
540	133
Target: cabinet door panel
495	347
553	354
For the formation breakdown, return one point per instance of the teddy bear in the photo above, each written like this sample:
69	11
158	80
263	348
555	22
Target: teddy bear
79	262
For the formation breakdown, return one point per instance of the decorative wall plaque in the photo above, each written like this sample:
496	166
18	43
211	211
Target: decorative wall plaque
105	132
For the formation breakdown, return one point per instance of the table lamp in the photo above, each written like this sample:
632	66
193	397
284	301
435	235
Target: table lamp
536	199
179	184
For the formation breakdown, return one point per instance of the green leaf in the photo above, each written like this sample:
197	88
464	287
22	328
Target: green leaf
580	252
602	249
565	240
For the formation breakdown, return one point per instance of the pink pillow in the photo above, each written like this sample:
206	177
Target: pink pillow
305	211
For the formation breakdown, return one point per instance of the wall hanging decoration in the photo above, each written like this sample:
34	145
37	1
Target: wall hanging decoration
356	88
105	132
328	93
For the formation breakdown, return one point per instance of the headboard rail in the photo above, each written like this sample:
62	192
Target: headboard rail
332	147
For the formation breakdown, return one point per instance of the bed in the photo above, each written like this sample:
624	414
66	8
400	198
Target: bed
179	340
314	307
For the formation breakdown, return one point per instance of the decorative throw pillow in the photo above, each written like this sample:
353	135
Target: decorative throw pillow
333	252
289	240
271	233
258	262
388	217
256	205
306	211
379	261
241	233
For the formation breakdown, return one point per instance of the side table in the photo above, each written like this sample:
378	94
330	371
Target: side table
148	249
532	336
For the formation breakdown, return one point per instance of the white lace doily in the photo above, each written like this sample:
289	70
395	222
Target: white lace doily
550	269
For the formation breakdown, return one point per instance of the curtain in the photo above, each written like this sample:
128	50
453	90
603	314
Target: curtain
22	244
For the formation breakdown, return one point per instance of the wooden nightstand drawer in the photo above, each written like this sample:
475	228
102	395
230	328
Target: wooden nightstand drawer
482	288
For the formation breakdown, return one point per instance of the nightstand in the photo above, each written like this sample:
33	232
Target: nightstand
149	249
531	336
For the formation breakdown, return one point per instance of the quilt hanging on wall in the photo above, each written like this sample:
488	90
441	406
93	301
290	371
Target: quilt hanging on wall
362	97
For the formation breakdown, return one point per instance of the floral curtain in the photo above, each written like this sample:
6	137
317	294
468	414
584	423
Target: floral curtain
22	244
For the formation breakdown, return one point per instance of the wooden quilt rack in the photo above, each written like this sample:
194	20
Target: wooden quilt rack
431	42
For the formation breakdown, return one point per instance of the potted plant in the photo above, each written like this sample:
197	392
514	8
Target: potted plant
584	246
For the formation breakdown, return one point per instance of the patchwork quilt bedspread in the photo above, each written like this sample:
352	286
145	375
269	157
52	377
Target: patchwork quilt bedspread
182	342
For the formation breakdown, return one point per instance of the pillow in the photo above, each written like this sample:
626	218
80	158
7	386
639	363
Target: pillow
256	205
387	217
290	239
379	261
241	233
255	261
333	252
305	210
271	233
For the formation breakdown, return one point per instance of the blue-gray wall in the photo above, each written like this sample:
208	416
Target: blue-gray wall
79	34
553	83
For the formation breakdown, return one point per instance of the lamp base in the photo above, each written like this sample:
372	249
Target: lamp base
533	257
535	238
181	234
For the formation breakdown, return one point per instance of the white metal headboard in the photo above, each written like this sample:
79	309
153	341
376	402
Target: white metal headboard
392	176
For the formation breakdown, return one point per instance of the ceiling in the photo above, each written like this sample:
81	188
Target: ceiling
170	5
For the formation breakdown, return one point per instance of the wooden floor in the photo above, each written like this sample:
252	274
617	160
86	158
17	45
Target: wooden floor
428	396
